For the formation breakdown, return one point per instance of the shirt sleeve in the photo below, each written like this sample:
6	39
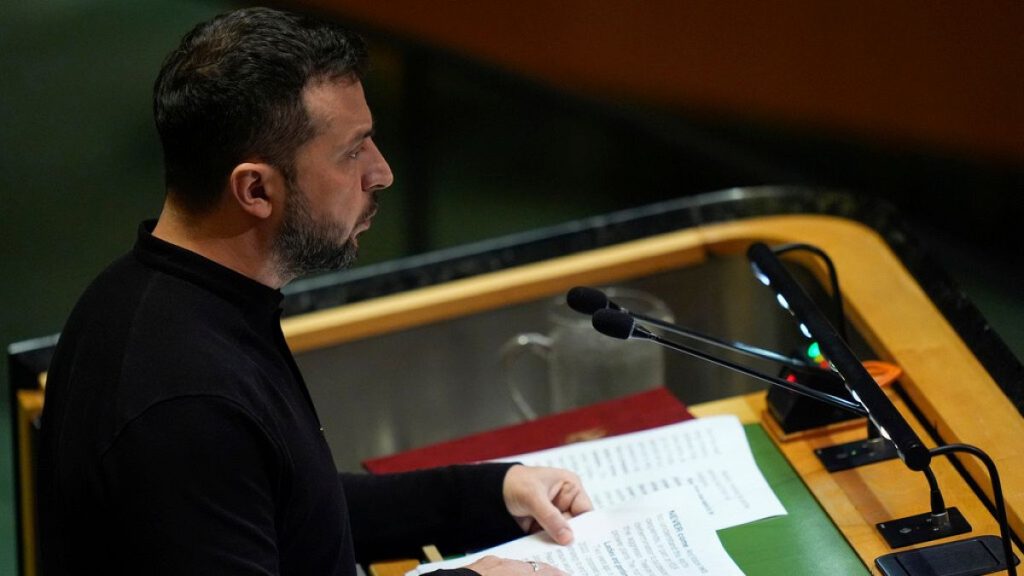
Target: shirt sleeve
191	484
457	508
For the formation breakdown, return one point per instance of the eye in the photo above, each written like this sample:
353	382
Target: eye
354	154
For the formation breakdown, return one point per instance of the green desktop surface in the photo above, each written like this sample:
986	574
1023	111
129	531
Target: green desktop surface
804	541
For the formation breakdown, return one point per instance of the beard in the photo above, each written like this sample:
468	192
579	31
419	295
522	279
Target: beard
306	245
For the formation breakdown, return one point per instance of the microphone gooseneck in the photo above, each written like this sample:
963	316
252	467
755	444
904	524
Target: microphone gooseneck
618	324
586	300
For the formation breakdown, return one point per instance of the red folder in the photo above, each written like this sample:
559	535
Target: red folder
650	409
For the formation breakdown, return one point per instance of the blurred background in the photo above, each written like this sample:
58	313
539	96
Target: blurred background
500	117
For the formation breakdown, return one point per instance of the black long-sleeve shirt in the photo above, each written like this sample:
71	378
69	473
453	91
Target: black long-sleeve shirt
179	438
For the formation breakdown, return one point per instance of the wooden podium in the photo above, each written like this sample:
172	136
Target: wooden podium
943	380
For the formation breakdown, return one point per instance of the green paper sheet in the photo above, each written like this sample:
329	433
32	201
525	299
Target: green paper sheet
805	541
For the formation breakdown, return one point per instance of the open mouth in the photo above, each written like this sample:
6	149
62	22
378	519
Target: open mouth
368	215
367	220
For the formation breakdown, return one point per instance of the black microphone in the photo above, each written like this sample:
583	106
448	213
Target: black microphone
587	300
619	324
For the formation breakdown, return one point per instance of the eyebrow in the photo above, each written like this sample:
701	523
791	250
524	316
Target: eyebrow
358	138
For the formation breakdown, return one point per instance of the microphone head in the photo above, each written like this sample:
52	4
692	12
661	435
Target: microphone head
614	323
586	300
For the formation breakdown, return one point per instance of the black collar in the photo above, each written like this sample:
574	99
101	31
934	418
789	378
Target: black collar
246	293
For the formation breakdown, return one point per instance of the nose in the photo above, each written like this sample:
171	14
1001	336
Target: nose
378	175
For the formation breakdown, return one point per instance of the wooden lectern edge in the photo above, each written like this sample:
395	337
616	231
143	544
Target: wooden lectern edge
393	567
29	406
492	290
883	301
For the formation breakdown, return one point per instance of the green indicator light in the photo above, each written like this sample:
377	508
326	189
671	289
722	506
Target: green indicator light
813	351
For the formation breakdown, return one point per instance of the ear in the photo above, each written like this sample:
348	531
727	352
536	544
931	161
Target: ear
256	188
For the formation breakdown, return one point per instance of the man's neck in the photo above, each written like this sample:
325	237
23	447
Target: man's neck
231	240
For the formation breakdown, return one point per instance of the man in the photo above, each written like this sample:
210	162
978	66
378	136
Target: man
178	436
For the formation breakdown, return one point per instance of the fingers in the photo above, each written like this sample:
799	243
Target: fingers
548	496
572	498
541	569
494	566
550	518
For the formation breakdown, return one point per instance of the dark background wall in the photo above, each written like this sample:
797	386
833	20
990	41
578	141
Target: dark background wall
499	117
932	73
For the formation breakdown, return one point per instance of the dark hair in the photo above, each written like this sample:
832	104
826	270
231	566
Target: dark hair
232	90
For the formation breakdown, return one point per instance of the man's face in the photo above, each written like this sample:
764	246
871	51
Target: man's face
338	173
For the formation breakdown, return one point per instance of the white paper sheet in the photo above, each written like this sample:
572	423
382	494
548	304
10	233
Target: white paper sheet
647	540
706	460
659	497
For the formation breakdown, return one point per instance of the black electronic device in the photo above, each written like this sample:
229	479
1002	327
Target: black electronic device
794	413
971	557
861	385
797	413
923	528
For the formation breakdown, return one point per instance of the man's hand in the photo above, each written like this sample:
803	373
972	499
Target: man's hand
544	498
494	566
